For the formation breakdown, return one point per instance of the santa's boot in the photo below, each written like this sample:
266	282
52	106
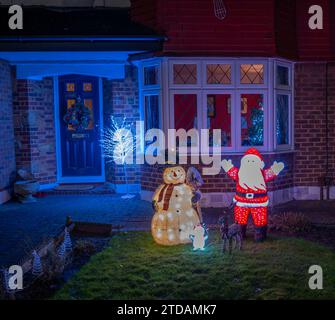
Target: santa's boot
260	233
243	231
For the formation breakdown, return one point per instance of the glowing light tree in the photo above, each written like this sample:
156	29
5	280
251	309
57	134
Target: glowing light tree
118	145
62	251
175	216
37	265
67	240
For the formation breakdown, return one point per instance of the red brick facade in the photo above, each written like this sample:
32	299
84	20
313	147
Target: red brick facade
260	28
152	175
251	28
35	128
310	123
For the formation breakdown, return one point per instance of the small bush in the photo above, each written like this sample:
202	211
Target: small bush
84	248
291	222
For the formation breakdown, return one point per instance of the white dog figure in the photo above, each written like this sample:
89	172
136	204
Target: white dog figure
199	237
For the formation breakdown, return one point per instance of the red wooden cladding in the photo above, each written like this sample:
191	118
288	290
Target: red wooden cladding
251	28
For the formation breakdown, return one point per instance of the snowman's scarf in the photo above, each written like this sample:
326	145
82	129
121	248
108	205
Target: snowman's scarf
165	195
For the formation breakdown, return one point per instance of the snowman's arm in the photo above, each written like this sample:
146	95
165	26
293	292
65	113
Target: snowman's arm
156	194
233	173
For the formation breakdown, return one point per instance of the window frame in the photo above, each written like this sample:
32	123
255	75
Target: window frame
148	65
199	109
266	142
265	64
269	89
145	90
283	147
280	63
232	115
206	85
149	93
190	149
172	85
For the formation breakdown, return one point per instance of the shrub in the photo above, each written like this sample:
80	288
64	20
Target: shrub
291	222
83	248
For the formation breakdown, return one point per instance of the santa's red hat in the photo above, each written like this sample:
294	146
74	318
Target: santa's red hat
254	152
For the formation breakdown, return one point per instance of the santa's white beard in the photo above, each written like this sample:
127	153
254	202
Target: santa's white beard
250	176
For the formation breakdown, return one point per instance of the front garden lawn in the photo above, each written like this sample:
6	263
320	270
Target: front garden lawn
134	267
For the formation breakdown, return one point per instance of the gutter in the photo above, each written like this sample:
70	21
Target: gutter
76	38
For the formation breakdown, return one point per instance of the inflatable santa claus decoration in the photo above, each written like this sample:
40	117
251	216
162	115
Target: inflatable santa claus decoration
251	190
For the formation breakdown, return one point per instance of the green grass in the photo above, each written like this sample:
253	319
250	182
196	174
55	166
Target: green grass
134	267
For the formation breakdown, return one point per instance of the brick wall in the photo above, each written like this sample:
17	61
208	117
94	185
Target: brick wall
35	129
121	100
315	44
310	123
192	27
145	12
286	36
221	183
7	153
251	28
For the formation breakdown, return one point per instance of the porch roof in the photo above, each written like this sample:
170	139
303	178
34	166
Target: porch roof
84	29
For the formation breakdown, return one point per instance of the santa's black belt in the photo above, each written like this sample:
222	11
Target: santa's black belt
251	195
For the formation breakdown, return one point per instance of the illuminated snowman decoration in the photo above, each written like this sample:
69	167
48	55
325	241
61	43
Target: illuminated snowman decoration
199	237
175	217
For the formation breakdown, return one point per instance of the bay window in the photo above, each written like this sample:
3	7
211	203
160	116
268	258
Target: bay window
252	120
219	117
249	100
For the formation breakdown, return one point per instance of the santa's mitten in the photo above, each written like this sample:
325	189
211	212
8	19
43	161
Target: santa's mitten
227	165
277	167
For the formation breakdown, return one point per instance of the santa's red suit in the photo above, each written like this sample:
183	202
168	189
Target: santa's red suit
251	194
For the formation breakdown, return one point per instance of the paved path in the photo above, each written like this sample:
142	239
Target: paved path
23	226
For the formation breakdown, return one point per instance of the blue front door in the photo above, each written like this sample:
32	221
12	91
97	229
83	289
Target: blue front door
80	127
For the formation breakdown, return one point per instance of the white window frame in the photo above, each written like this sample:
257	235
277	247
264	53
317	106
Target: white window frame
280	63
199	109
232	116
151	86
283	147
265	64
145	90
148	93
269	89
238	134
172	85
206	85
